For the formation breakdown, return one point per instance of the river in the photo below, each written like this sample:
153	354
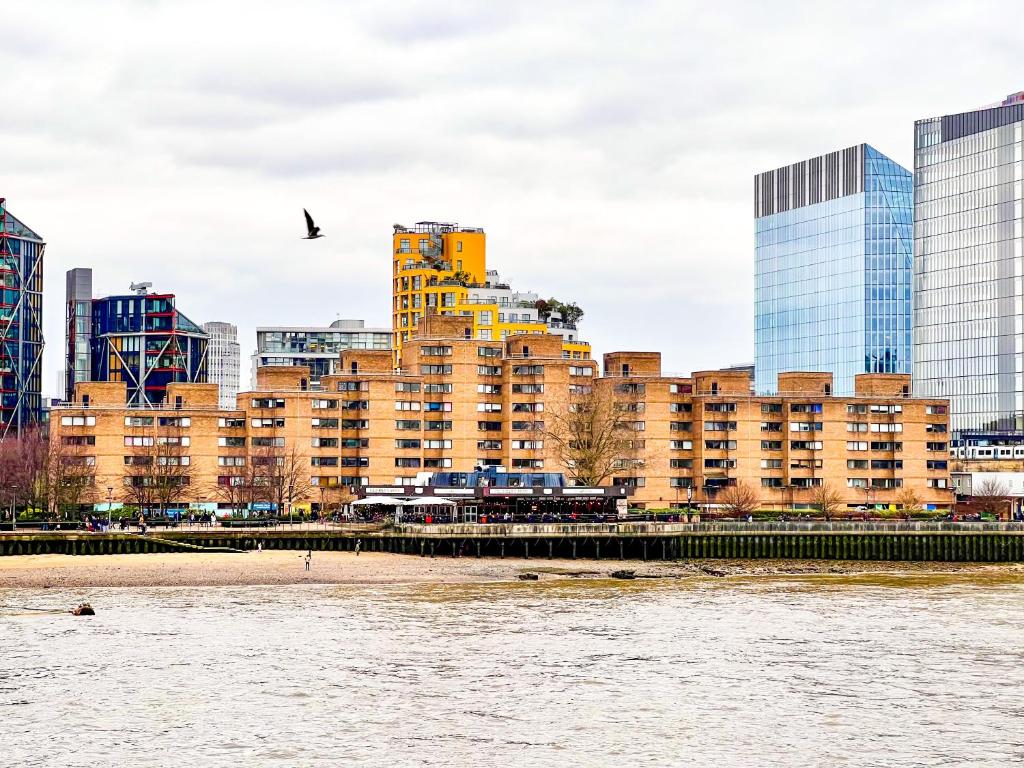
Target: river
816	671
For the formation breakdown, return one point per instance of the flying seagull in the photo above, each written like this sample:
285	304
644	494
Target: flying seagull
313	229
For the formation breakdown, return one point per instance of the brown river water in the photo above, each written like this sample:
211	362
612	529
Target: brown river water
755	671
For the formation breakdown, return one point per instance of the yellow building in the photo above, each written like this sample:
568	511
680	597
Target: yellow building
443	267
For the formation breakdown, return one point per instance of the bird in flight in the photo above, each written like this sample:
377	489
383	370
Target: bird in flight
312	229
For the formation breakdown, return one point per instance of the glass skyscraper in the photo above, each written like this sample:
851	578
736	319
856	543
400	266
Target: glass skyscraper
833	253
969	265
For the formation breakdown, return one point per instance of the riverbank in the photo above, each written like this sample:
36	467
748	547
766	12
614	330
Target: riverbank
288	567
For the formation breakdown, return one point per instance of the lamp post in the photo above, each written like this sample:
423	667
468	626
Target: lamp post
291	488
14	507
689	502
323	517
110	502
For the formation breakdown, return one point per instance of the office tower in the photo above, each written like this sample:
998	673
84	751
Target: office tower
223	355
21	324
968	267
314	347
443	267
78	332
833	252
143	340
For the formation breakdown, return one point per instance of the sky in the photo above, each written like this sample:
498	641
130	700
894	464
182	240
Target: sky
607	148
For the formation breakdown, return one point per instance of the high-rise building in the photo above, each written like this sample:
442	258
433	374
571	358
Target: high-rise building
315	347
21	324
443	267
968	264
143	340
223	360
78	314
833	253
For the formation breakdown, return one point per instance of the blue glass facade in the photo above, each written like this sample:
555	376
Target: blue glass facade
145	342
21	324
833	258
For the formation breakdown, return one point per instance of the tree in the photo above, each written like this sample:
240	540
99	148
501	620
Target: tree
909	501
284	473
588	436
739	500
69	476
23	463
990	495
827	499
237	486
157	474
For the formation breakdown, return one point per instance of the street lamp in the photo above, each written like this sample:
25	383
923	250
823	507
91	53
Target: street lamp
291	489
14	507
110	502
689	502
323	517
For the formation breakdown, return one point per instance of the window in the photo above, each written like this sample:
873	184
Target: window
324	461
894	427
805	426
681	463
174	441
138	442
719	463
771	426
138	421
856	463
527	370
436	370
409	463
887	464
488	445
488	370
807	482
488	407
78	421
437	425
680	426
407	405
355	405
361	386
230	442
437	406
856	446
138	461
488	351
680	389
79	440
680	408
231	423
771	407
527	445
629	482
720	407
805	464
488	389
680	482
935	428
324	423
174	421
173	461
259	423
268	442
805	445
635	426
630	389
771	482
437	389
488	426
720	445
528	389
771	463
936	410
856	426
805	408
355	461
856	482
435	351
581	370
355	423
935	446
406	444
485	317
886	446
527	426
437	463
937	464
322	405
437	445
355	442
886	482
231	461
407	386
527	463
267	402
771	445
407	424
938	482
886	408
580	389
324	442
719	426
857	408
527	407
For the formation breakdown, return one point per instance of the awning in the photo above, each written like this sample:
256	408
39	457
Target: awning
387	501
430	501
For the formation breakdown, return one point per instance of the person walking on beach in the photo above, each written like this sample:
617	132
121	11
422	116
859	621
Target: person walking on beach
359	544
309	558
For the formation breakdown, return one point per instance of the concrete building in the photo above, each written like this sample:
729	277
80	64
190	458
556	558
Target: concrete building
968	262
458	402
314	347
224	356
833	252
21	324
78	329
442	267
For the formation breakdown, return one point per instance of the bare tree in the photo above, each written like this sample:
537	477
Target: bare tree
173	471
589	435
239	487
990	495
739	500
284	473
909	501
69	476
827	499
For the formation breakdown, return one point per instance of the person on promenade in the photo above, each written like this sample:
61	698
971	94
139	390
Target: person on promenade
359	545
309	558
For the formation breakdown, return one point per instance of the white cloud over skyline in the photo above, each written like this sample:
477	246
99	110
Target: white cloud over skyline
607	148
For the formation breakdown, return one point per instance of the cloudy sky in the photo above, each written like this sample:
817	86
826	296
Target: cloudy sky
607	148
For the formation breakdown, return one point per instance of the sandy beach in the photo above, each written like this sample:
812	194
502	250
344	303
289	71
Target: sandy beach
287	567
